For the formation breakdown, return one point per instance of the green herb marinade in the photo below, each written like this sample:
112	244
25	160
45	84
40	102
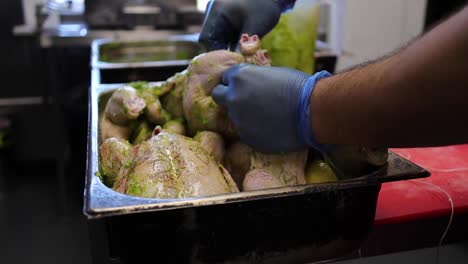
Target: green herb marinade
292	42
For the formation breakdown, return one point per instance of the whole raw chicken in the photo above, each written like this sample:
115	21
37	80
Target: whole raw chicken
173	166
211	142
113	154
204	74
200	110
124	106
253	170
107	129
172	101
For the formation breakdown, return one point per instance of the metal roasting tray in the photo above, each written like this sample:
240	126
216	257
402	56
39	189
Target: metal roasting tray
100	201
299	224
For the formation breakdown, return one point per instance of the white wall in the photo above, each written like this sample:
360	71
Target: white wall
373	28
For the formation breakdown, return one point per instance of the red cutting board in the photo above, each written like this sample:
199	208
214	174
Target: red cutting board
424	198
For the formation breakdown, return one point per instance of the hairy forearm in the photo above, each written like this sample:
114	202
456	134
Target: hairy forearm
415	97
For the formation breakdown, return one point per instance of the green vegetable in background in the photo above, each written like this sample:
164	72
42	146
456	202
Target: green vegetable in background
292	42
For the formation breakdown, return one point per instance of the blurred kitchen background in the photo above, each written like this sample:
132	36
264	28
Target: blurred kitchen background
45	51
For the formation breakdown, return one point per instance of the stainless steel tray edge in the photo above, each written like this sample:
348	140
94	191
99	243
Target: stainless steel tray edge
96	63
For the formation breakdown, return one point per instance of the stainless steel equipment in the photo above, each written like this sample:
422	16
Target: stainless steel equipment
132	13
156	60
79	22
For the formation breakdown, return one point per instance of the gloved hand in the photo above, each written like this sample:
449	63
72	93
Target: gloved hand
226	20
270	106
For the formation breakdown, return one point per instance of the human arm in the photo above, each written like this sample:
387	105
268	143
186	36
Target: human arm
226	20
269	106
416	97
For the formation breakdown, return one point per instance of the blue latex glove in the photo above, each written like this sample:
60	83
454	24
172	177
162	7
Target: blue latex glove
226	20
270	106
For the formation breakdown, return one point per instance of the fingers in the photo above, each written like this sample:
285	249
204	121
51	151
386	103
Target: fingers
229	74
220	94
252	28
226	20
217	31
260	25
209	5
211	35
233	46
211	43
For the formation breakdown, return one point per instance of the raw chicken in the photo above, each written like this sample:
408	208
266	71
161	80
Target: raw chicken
269	171
113	153
124	106
145	89
261	58
174	126
204	73
237	161
173	166
211	142
107	129
200	110
172	102
250	48
141	133
286	169
249	45
257	168
260	179
155	113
